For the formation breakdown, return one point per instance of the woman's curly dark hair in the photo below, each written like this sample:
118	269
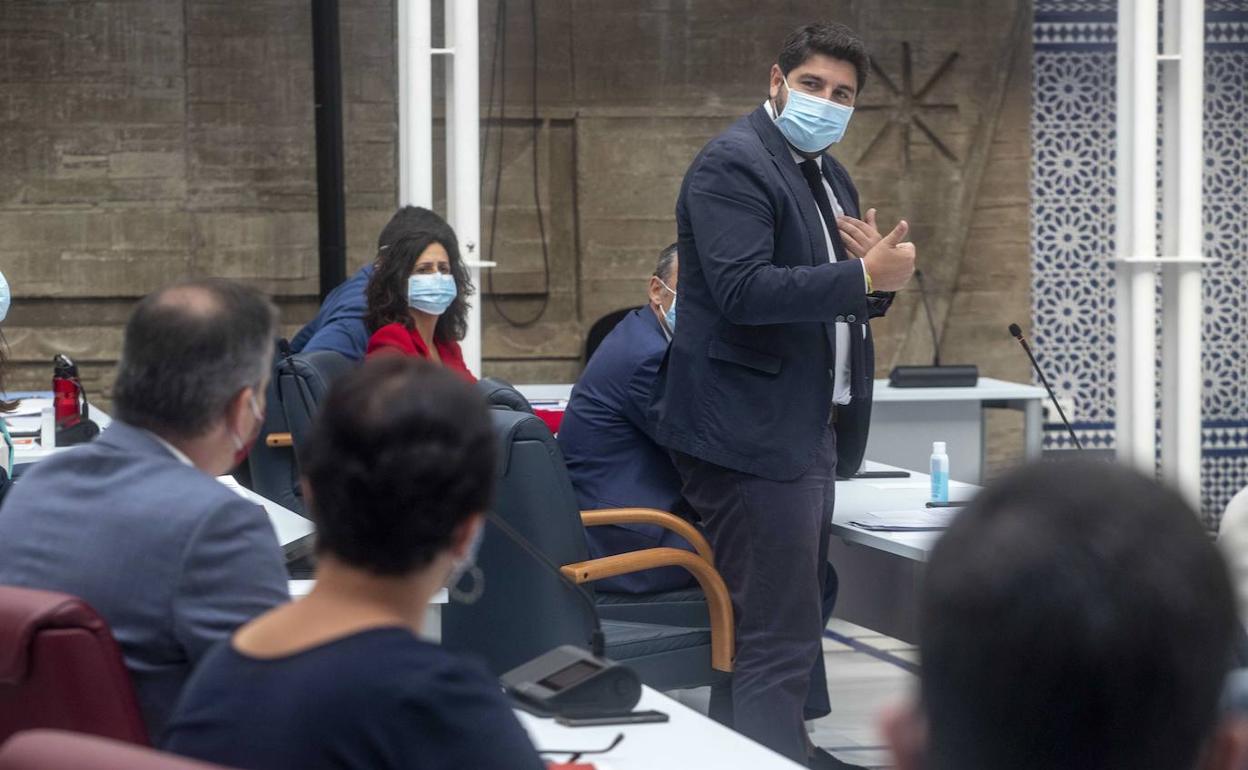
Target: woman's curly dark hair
387	289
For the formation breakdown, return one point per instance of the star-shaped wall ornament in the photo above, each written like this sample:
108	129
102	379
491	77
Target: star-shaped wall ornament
908	108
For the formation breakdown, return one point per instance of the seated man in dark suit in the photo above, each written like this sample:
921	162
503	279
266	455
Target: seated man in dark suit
1076	616
612	459
135	522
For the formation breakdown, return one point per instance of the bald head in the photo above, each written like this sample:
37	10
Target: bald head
188	350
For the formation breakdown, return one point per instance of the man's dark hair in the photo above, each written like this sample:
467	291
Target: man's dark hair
410	231
401	454
663	268
188	350
1075	615
830	39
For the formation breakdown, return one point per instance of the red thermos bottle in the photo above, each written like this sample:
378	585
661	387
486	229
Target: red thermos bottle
68	399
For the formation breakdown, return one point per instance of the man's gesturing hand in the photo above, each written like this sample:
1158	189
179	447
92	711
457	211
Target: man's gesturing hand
891	261
858	235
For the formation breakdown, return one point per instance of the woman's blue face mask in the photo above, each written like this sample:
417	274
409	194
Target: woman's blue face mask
812	124
6	297
431	294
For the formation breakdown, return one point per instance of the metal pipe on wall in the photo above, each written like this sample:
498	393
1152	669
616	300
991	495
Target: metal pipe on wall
330	198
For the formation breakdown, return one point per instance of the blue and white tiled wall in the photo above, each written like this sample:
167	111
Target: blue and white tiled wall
1072	230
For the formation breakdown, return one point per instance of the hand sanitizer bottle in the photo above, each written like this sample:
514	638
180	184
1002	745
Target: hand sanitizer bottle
940	473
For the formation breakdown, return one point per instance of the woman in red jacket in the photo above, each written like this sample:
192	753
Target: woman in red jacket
417	297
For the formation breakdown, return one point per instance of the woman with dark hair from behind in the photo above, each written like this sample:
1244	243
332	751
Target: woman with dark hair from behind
418	296
6	449
397	472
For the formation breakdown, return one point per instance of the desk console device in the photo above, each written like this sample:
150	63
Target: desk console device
571	682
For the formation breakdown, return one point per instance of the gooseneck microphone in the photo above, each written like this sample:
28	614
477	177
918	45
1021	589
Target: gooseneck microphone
1016	331
597	642
931	322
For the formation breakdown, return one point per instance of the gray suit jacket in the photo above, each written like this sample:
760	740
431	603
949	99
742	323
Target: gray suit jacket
169	556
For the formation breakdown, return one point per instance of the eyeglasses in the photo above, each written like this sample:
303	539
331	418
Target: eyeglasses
575	754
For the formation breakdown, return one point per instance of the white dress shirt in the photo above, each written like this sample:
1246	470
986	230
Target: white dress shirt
841	375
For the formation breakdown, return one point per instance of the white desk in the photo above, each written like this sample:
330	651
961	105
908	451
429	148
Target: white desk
28	450
688	741
293	531
881	572
880	496
905	421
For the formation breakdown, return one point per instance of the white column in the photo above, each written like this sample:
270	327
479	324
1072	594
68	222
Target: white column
463	163
1124	243
1169	237
1189	295
1143	218
415	43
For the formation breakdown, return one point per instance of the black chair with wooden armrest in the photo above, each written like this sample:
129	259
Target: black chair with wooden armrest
682	607
274	469
527	610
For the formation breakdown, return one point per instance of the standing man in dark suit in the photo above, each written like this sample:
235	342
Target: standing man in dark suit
766	391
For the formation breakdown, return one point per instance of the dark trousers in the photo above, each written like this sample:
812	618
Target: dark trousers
770	540
817	703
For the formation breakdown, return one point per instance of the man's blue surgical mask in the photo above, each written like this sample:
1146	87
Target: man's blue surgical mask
812	124
6	297
431	294
669	315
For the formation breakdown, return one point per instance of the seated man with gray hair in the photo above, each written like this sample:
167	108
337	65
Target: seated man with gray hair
613	460
135	523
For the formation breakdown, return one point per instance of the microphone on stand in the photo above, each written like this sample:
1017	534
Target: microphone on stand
936	375
1017	332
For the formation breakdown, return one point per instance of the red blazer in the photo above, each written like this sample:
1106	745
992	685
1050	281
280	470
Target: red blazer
395	338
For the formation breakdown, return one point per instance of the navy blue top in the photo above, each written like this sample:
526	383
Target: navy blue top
339	325
374	700
613	460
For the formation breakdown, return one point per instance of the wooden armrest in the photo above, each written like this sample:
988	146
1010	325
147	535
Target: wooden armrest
668	521
718	601
279	439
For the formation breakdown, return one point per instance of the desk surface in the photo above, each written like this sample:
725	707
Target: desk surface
988	389
29	451
689	740
880	496
289	526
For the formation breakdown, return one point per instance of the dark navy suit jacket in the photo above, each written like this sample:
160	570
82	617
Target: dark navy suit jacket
339	325
613	460
746	383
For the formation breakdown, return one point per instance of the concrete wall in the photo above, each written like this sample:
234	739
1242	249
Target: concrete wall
143	140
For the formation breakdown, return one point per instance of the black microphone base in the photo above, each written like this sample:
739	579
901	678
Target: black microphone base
959	376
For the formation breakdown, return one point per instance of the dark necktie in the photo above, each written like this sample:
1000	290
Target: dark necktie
857	348
814	180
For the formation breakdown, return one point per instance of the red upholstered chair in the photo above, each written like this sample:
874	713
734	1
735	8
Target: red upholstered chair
61	668
59	750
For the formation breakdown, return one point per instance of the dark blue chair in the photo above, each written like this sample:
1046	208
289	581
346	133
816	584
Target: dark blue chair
527	610
299	383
